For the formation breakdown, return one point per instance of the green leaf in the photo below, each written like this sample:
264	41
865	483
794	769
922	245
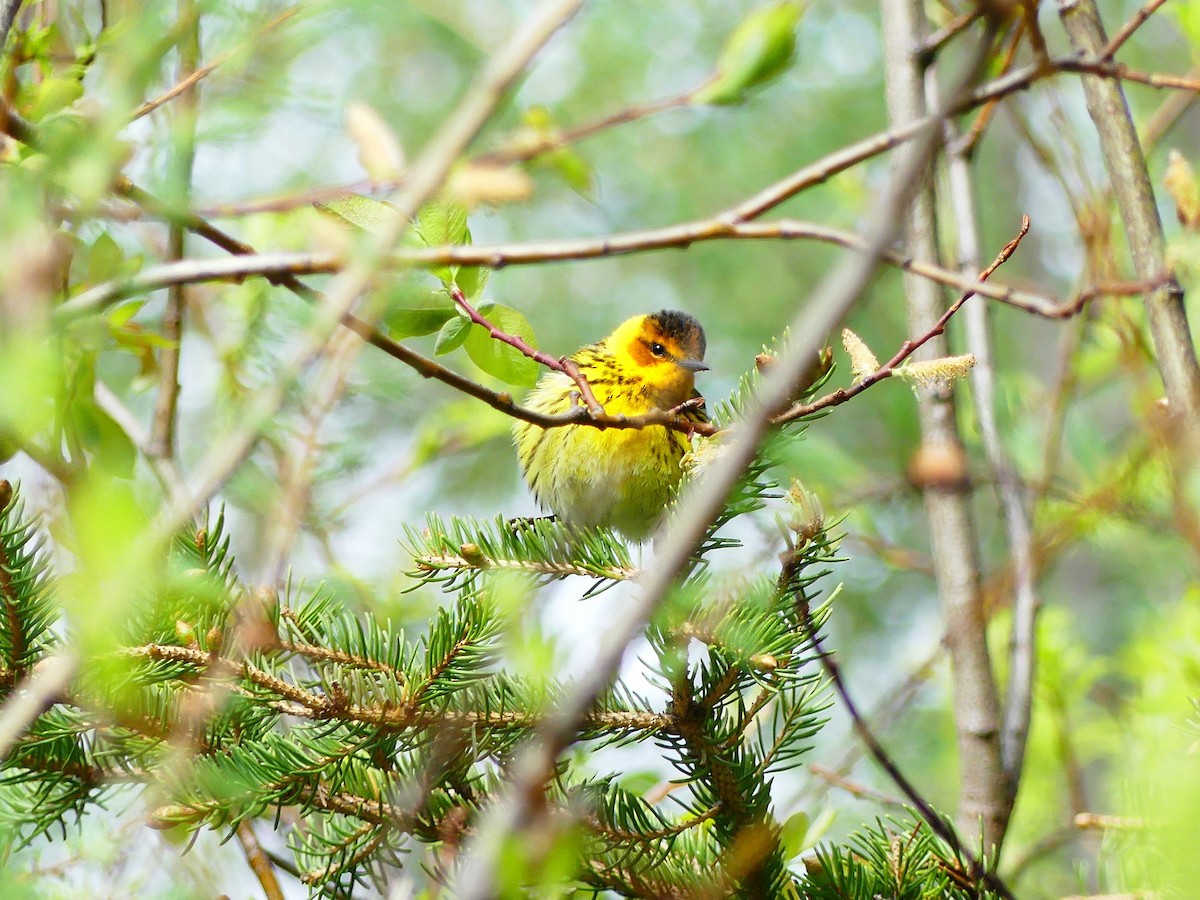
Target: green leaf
443	222
472	279
760	49
109	445
372	216
420	316
792	835
574	170
55	94
104	259
440	223
452	335
119	316
497	358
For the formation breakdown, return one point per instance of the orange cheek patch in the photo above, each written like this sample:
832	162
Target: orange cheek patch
641	355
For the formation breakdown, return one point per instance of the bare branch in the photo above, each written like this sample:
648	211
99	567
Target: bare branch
33	696
564	365
162	426
259	862
854	789
1018	703
276	266
983	799
190	78
932	45
936	823
524	150
8	15
907	349
1126	31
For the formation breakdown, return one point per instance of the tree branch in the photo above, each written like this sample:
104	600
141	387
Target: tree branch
8	15
162	426
936	823
260	863
189	78
564	365
1126	166
1018	702
907	349
276	267
1126	31
983	795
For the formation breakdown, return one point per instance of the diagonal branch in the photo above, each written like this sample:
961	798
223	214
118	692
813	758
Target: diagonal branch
1126	167
1136	21
8	15
938	825
189	79
888	369
562	364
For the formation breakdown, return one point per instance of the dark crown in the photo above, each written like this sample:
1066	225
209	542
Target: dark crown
682	327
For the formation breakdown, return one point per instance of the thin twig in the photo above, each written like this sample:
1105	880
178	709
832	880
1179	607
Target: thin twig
1117	72
162	425
974	135
1126	31
561	364
524	149
886	711
260	863
936	823
932	45
1167	114
1086	821
188	79
1037	40
888	369
862	791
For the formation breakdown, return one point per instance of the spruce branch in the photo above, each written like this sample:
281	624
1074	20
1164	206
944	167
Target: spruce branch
26	592
454	552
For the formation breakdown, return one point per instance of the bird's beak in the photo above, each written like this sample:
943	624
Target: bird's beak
692	365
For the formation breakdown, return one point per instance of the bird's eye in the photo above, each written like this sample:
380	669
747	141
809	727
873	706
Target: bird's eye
658	349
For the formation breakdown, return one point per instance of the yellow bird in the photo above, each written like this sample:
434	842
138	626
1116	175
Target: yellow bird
618	477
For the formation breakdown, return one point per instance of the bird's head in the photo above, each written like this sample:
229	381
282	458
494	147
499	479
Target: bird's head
665	350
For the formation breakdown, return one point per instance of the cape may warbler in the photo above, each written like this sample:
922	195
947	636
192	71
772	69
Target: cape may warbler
618	477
